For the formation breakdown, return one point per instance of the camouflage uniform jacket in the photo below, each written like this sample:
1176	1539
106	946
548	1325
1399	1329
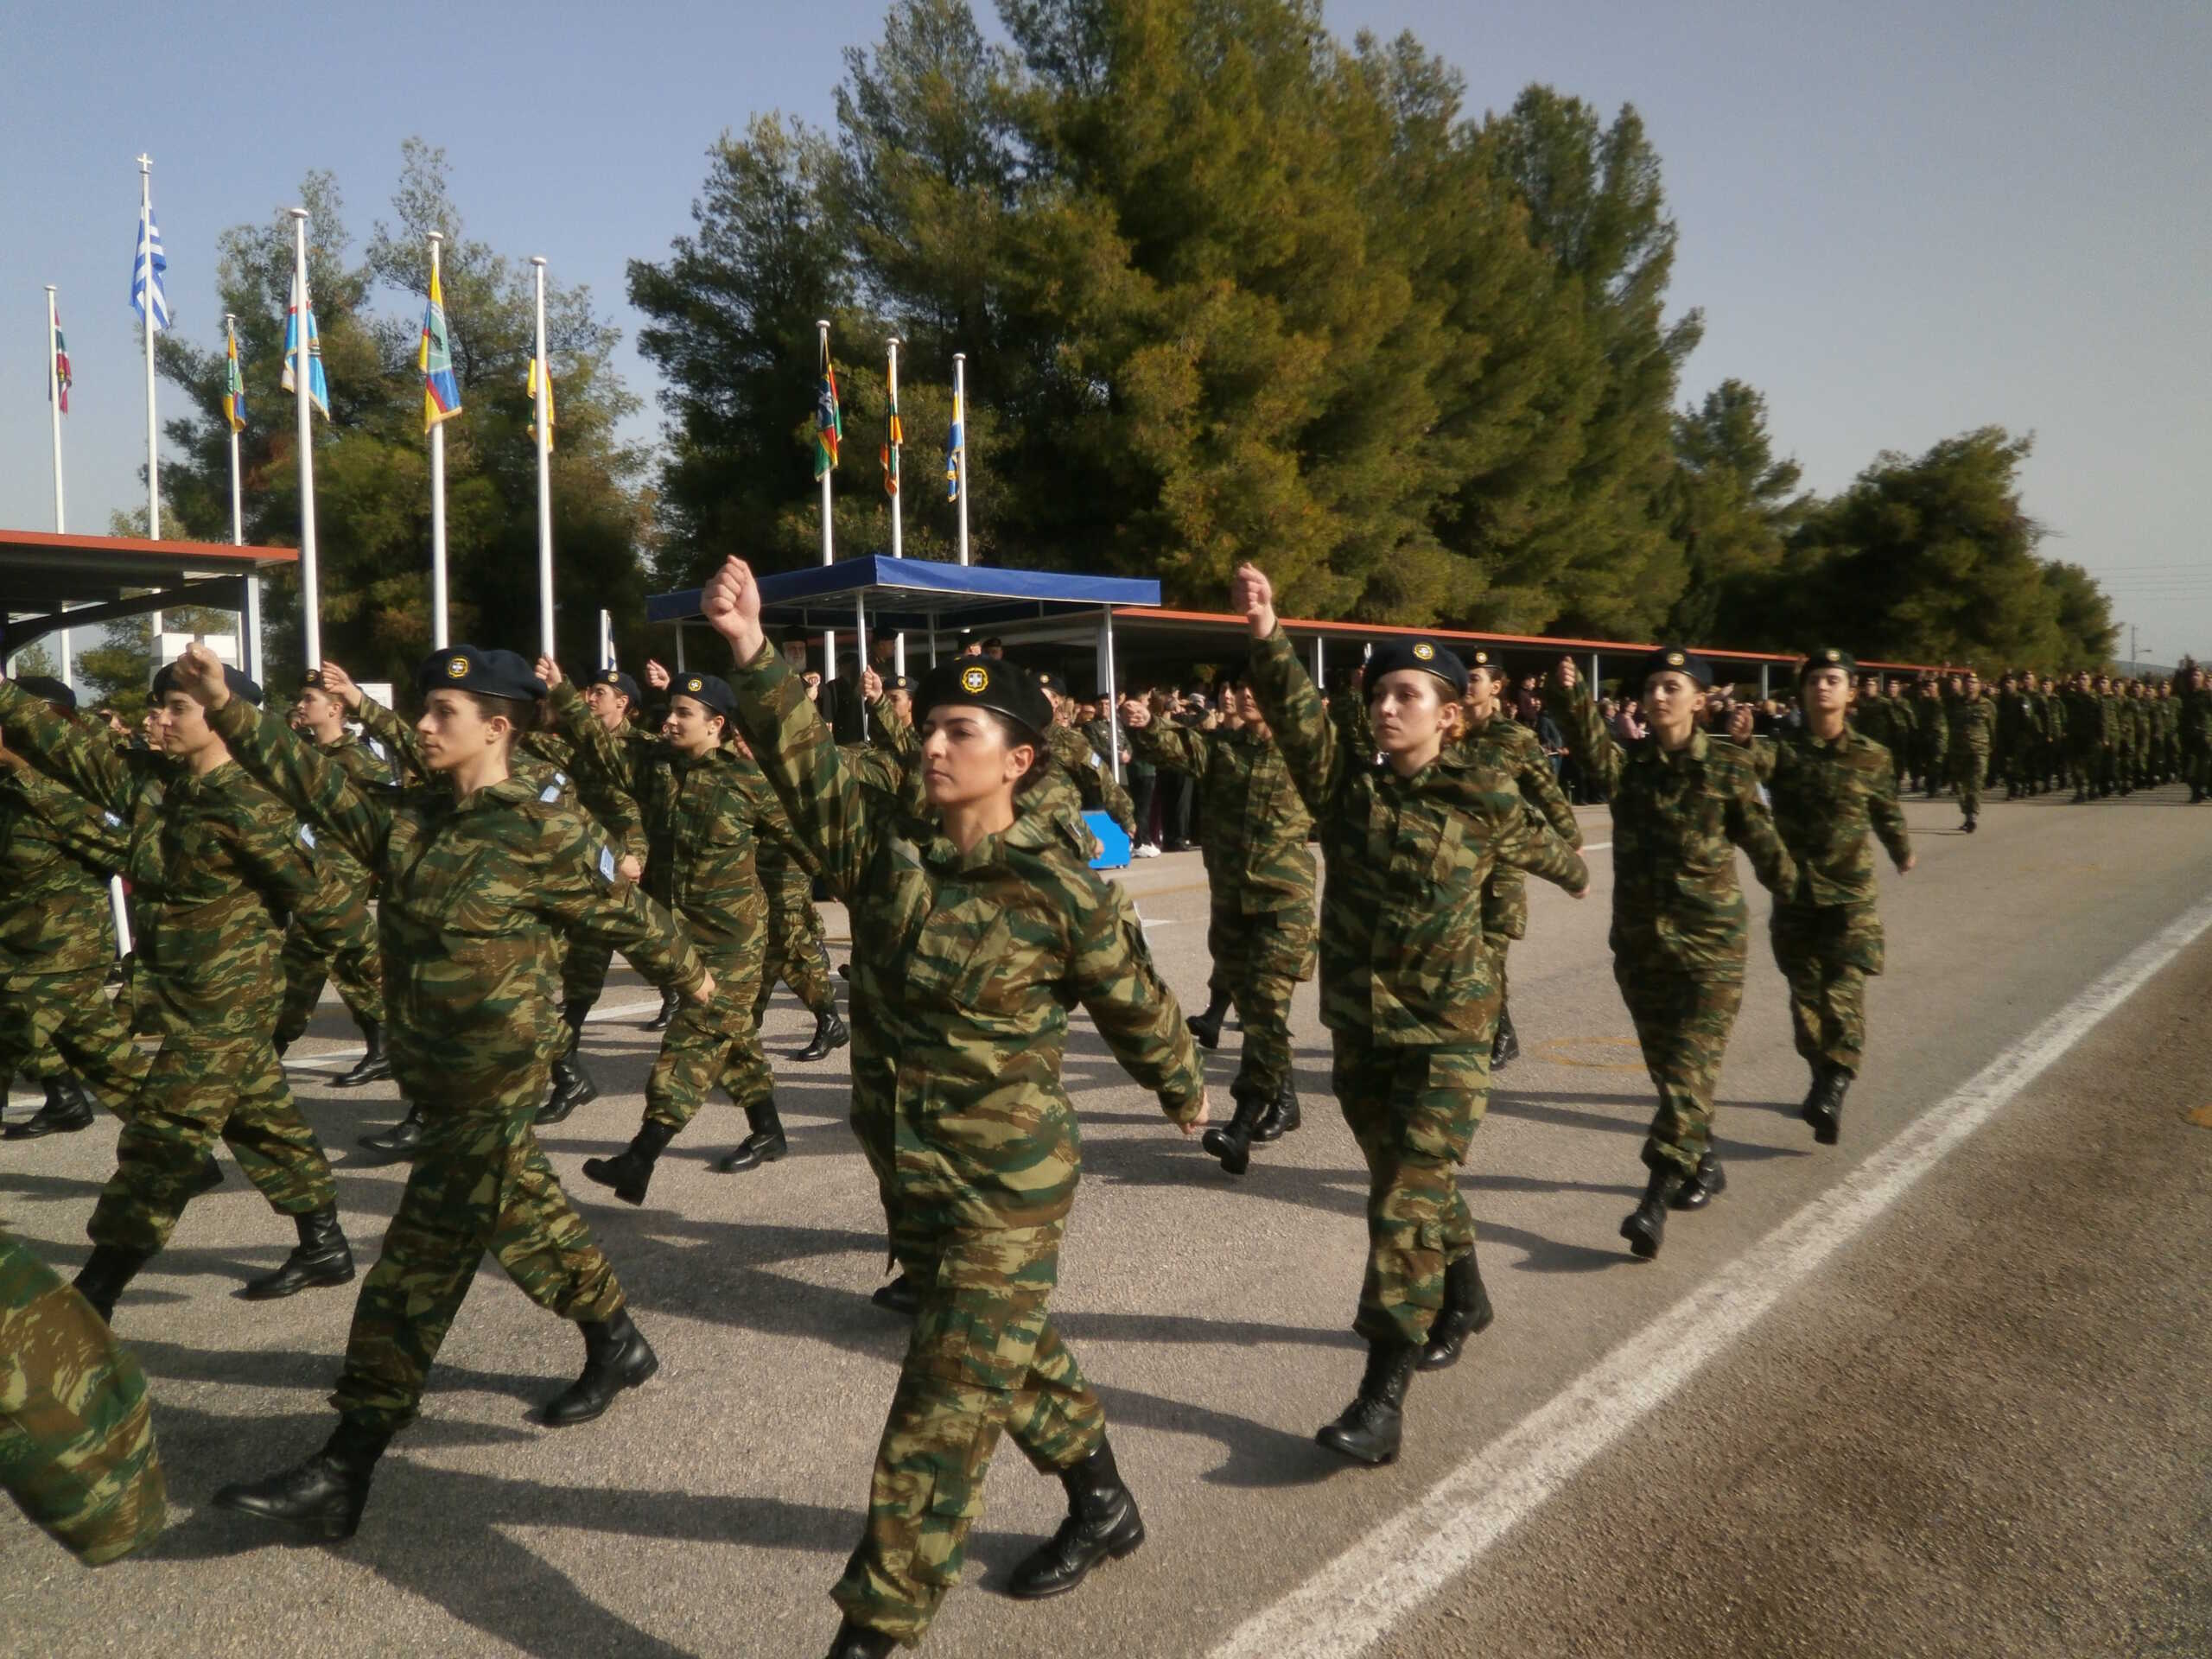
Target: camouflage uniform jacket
1256	825
1504	742
2196	720
53	908
1678	818
1931	720
76	1434
1402	957
1831	800
1094	780
1873	716
1973	722
960	1001
701	817
216	865
2085	719
476	894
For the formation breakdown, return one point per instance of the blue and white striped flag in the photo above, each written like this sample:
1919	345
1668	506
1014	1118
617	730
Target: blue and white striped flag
146	274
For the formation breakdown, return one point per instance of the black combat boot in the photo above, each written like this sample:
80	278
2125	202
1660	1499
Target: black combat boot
899	1296
1701	1188
1505	1046
630	1171
1968	826
1103	1521
106	1271
1373	1426
1824	1106
572	1082
401	1140
1206	1026
858	1642
1281	1117
1466	1313
671	1001
1231	1142
764	1146
616	1356
68	1109
210	1176
1646	1227
322	1496
829	1035
321	1258
372	1066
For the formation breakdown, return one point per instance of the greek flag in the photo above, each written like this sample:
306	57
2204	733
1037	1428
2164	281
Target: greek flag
146	274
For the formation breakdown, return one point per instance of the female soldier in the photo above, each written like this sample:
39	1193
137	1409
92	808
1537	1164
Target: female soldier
481	875
1681	804
985	925
1406	990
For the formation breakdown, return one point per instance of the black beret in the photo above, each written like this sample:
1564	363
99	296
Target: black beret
618	679
1827	656
165	683
898	682
49	690
1053	682
987	682
1425	655
489	673
1673	659
706	690
1483	657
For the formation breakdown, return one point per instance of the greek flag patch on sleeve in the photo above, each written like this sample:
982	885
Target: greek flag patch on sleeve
551	792
113	821
307	836
606	865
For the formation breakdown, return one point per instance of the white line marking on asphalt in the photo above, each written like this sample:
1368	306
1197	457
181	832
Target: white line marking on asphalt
1358	1598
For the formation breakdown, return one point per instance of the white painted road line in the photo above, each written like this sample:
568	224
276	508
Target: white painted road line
1356	1600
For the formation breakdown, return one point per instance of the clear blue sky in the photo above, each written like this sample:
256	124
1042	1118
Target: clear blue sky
1901	219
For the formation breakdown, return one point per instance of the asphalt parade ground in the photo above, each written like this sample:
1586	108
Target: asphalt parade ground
1937	1390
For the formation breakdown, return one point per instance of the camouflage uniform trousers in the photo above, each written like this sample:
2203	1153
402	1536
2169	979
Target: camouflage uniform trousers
52	1023
1413	1112
717	1043
77	1447
1682	1021
342	949
1969	770
984	1357
200	1088
798	956
1274	951
1505	919
480	1184
1827	952
583	973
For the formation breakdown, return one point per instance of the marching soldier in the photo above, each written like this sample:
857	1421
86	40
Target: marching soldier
1973	726
1505	744
482	875
1259	930
1833	795
703	807
1407	991
56	941
986	926
335	938
1932	736
1681	804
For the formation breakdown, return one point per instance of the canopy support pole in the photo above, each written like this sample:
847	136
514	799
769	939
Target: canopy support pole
1112	701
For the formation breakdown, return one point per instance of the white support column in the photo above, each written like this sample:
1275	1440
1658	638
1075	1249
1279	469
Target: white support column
960	402
1113	696
860	644
304	378
153	427
545	472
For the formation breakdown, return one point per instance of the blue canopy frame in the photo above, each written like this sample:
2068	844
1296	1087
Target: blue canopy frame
924	595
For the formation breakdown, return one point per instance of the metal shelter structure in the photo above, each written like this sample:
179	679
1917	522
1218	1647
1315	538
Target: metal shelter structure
937	600
50	581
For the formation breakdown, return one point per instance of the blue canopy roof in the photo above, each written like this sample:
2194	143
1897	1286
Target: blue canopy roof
907	594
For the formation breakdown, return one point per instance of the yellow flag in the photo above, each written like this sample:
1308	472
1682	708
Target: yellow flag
536	369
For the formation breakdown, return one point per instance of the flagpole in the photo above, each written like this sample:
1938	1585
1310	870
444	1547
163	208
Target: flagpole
960	403
896	551
153	463
437	501
54	401
303	383
829	635
53	398
250	620
544	472
237	498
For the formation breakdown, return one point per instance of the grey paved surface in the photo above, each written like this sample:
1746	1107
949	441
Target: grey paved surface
1982	1428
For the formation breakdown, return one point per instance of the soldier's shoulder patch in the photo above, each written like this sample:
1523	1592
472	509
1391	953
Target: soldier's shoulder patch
307	835
906	852
114	820
376	747
606	865
551	791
